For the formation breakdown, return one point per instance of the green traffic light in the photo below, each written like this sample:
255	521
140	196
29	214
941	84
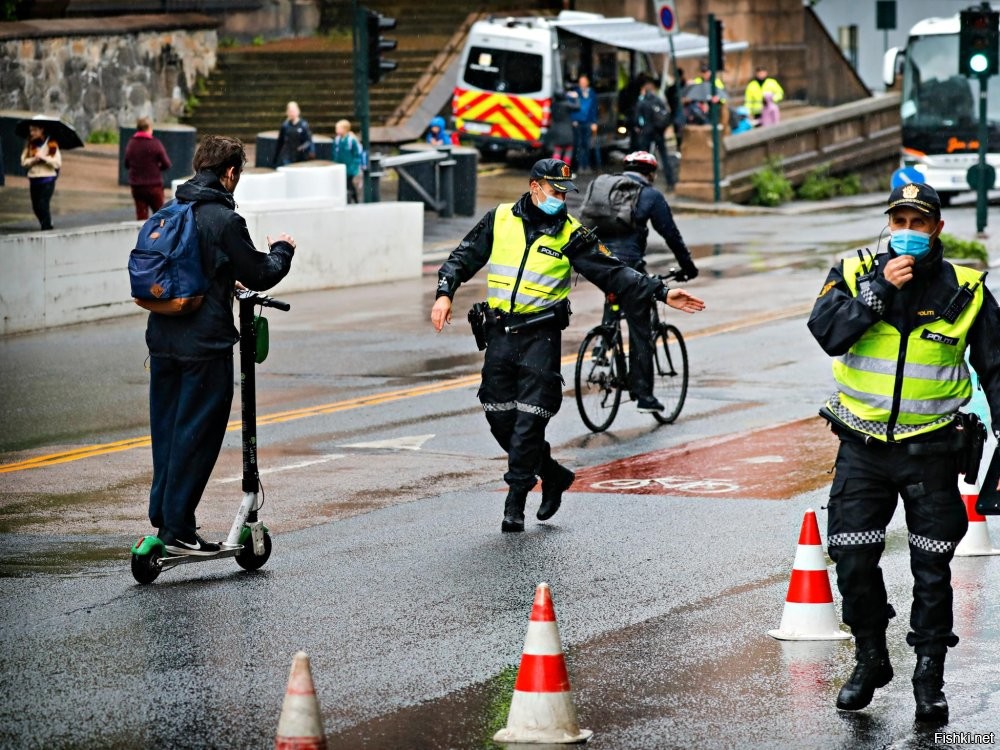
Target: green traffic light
978	63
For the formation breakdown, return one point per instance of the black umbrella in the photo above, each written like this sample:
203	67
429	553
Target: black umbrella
55	128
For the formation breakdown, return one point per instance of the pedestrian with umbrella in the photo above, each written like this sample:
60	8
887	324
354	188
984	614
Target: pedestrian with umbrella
42	158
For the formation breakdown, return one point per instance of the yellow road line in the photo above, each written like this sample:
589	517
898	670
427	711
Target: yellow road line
376	399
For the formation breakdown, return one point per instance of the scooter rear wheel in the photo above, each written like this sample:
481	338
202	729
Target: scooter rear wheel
246	558
145	568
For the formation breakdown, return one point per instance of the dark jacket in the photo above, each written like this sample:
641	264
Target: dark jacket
839	318
586	255
145	160
295	143
650	207
228	255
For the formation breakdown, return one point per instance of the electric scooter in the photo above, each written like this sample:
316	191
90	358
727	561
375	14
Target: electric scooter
248	540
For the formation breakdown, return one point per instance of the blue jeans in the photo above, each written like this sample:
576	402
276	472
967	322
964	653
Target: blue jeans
189	403
581	146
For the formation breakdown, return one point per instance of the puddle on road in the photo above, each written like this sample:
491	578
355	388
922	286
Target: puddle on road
746	260
69	559
467	718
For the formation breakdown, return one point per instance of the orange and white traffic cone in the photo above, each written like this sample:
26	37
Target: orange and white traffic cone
300	726
541	710
809	614
976	541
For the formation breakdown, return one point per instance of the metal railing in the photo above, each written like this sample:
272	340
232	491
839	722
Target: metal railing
443	198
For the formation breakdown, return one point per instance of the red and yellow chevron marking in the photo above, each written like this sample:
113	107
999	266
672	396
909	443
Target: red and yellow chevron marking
514	117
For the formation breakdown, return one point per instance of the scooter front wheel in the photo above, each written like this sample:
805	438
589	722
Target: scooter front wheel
246	558
145	568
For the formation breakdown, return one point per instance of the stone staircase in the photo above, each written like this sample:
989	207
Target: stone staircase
250	86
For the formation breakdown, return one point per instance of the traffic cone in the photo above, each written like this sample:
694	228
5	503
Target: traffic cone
300	726
809	614
976	541
541	710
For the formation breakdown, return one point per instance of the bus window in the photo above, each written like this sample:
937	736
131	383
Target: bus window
512	72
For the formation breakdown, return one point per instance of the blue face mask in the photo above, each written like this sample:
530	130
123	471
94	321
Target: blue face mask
910	242
552	205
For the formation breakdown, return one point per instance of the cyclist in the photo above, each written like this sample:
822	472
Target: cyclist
630	248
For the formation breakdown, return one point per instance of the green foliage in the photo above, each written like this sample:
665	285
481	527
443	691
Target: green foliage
191	103
821	185
770	186
226	42
955	247
258	41
103	136
12	10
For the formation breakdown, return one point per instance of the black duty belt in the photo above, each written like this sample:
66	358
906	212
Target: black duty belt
556	316
952	443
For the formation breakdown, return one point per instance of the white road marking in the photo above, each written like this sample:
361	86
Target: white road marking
408	443
288	467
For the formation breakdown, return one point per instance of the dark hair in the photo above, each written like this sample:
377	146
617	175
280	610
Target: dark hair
143	123
217	153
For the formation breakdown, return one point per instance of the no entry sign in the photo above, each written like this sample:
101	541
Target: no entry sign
666	16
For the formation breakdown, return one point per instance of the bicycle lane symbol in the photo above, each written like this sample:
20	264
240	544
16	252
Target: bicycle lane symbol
690	485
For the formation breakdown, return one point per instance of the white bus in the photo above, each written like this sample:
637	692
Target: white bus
940	107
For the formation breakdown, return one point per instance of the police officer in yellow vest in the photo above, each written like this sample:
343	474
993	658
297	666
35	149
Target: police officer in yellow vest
532	247
760	84
899	324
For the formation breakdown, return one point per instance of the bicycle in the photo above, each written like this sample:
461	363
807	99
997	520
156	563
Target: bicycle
602	367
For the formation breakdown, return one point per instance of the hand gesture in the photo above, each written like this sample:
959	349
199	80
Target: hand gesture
282	238
441	313
899	270
684	301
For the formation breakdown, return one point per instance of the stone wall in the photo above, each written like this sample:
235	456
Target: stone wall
98	74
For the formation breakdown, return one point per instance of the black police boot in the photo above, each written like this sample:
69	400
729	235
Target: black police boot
928	681
871	672
513	509
555	482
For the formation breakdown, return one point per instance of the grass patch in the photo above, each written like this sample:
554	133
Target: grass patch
821	185
957	248
103	136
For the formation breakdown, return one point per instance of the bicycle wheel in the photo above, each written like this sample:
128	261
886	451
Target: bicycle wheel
670	372
598	380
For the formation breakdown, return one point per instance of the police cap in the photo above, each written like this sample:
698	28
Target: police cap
916	195
556	171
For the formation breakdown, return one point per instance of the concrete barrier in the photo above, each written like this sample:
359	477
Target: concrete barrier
57	278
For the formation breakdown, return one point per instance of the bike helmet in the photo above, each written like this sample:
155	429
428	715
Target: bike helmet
640	161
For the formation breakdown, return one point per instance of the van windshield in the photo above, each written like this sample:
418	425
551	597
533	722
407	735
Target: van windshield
504	70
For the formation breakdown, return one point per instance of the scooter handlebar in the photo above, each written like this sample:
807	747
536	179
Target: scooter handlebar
256	298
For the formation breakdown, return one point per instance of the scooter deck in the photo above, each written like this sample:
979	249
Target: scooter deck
172	561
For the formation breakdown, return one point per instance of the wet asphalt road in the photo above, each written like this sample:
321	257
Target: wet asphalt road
389	569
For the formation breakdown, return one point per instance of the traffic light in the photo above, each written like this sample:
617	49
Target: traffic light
716	53
978	42
377	44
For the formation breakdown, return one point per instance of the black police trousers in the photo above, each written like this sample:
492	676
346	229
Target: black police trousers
189	403
521	391
862	502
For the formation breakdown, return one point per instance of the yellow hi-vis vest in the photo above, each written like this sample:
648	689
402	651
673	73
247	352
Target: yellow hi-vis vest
927	368
527	280
753	96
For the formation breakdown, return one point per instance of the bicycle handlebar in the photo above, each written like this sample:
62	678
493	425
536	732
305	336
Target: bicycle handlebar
256	298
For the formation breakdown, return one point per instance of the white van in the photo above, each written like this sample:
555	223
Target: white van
515	73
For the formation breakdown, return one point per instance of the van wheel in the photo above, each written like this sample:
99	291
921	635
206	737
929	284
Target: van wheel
945	199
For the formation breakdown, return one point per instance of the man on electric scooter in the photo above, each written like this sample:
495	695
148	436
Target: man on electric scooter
191	356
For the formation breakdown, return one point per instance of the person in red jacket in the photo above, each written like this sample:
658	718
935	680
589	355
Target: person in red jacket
146	160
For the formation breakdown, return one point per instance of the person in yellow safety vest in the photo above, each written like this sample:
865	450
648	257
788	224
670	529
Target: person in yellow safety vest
899	324
532	247
762	83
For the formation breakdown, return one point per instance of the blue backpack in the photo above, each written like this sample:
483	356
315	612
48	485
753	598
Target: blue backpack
165	266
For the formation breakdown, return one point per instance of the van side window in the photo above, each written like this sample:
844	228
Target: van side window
504	70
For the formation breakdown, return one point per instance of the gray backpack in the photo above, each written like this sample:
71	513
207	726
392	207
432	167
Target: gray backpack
609	205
